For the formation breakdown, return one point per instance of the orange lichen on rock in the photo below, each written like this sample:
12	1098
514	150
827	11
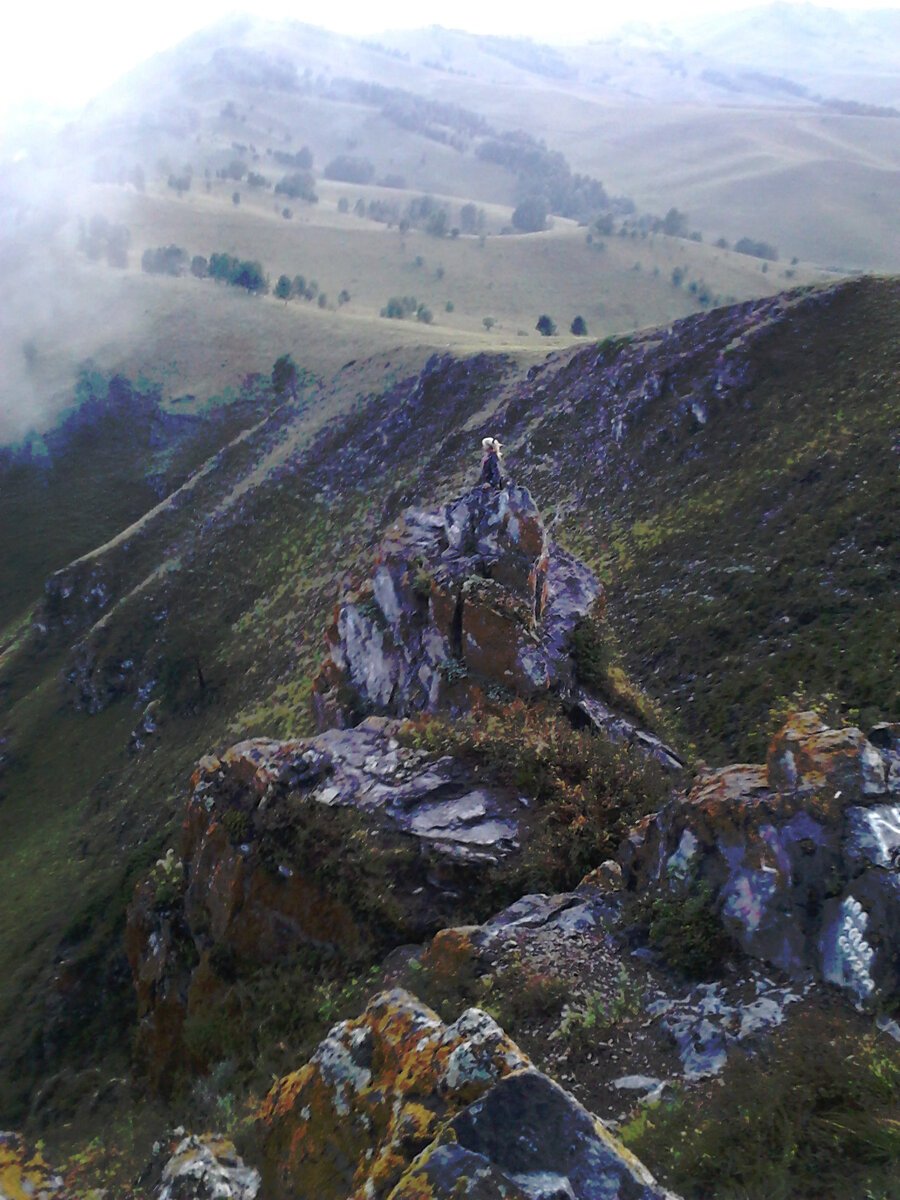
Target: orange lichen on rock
374	1095
805	754
799	855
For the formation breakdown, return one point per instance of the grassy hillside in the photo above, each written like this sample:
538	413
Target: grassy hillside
192	336
732	477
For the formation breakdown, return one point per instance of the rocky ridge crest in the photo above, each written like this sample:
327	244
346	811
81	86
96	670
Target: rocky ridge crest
473	599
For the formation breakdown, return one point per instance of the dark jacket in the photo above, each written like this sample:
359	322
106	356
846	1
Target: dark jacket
490	470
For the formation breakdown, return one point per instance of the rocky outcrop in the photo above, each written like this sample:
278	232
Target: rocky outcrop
801	855
398	1105
471	600
207	1168
248	886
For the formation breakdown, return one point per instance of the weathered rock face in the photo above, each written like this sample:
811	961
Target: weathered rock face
802	854
397	1104
245	886
457	598
665	1029
472	599
24	1175
207	1168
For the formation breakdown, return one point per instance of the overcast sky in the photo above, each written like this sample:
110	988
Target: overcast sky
62	52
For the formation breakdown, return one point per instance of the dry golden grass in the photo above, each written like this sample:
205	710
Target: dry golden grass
198	337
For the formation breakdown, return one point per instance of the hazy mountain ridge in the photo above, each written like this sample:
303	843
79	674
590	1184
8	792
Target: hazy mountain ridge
740	152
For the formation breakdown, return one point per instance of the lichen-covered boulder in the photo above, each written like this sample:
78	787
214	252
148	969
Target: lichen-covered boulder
207	1168
397	1104
248	885
24	1175
801	855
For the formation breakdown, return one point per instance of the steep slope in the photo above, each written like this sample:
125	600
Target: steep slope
731	478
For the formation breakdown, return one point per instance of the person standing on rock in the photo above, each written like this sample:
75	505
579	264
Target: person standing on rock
490	464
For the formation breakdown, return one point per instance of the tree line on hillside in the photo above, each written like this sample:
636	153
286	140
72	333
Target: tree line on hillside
421	212
402	307
225	268
546	326
675	224
542	174
236	272
440	121
546	182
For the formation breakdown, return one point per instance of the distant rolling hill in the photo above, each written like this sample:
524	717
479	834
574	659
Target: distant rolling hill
626	129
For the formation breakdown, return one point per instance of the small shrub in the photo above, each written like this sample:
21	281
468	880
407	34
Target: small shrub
586	791
237	823
596	668
684	927
421	581
517	994
587	1023
453	670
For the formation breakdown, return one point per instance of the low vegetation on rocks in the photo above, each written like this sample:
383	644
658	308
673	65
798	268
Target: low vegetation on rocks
812	1116
587	792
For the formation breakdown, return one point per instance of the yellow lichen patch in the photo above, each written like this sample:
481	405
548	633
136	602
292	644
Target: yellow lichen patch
24	1175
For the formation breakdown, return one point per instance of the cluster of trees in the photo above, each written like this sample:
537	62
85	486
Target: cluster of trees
546	326
423	212
347	168
239	272
301	288
437	120
299	185
226	268
101	238
521	52
248	67
696	287
545	175
165	260
402	307
180	183
530	215
471	218
235	170
757	249
299	160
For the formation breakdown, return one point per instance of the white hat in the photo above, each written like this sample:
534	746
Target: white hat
490	443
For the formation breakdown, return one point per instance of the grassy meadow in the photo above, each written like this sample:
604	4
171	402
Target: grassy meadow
198	337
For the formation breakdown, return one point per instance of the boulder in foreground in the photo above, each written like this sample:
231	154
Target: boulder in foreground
396	1105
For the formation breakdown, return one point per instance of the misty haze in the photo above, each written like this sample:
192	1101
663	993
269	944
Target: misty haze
448	624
